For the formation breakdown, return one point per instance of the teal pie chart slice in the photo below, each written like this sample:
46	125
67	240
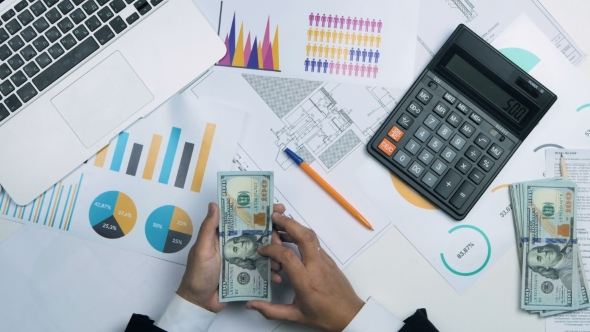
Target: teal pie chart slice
521	57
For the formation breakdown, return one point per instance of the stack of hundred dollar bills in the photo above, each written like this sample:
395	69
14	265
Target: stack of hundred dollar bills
245	206
553	278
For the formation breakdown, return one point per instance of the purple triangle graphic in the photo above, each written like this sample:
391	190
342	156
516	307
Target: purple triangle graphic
232	40
253	62
225	60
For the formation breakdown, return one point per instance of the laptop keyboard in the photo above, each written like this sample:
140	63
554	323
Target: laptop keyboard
42	40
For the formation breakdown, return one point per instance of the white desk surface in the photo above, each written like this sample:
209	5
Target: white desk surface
394	273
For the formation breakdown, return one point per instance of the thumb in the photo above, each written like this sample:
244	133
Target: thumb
284	312
207	233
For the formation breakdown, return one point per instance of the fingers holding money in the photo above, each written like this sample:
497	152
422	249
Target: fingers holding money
279	208
303	237
286	257
275	266
208	233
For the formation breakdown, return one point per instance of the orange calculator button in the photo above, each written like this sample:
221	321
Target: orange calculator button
387	147
395	133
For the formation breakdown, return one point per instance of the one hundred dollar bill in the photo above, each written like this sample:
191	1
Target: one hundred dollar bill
550	277
583	300
246	205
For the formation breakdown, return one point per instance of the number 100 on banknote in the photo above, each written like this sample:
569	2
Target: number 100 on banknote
246	205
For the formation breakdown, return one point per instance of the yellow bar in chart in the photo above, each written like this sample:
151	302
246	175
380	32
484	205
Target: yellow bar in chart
52	215
203	157
39	200
101	156
150	164
67	223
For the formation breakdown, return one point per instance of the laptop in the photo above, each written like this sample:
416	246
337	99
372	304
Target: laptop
75	73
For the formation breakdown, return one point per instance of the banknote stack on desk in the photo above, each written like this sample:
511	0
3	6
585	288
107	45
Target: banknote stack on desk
553	277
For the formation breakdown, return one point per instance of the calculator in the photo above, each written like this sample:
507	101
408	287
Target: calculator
460	123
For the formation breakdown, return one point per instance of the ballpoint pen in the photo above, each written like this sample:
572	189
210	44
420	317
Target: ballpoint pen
562	167
315	176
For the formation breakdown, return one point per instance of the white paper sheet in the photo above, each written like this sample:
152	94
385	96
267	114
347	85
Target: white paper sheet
186	141
367	43
438	19
487	232
578	168
328	125
63	283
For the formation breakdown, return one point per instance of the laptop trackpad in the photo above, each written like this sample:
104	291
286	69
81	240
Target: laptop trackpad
102	99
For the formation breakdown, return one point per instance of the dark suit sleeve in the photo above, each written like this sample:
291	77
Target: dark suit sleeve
418	322
142	323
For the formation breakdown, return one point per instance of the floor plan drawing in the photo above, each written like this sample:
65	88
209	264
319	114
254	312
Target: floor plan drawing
329	124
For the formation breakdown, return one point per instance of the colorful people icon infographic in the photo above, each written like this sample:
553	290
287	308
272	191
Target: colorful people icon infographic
343	45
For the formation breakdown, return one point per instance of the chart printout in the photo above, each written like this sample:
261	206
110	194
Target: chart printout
439	18
327	124
368	43
148	190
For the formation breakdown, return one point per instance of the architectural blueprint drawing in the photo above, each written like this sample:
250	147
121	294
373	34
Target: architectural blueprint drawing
320	122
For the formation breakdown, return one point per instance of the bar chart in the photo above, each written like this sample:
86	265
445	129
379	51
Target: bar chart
167	158
54	208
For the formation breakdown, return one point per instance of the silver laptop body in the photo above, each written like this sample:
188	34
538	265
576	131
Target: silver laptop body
73	104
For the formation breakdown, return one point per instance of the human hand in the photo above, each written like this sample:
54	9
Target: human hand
200	283
324	298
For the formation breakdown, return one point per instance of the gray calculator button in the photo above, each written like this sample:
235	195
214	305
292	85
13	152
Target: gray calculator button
415	109
458	142
435	144
463	166
413	147
448	184
476	118
429	179
473	153
462	195
454	119
486	163
405	121
463	108
431	122
495	151
416	169
448	154
450	98
426	157
422	134
482	141
424	97
467	129
445	132
439	167
402	158
441	109
476	176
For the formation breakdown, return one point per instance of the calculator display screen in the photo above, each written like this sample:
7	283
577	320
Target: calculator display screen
484	86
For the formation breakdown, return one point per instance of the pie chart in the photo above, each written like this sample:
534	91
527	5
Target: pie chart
169	229
112	214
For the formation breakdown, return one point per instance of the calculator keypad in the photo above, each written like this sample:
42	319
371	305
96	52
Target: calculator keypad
445	145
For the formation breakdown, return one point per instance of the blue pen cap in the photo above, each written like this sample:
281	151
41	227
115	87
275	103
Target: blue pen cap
294	156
